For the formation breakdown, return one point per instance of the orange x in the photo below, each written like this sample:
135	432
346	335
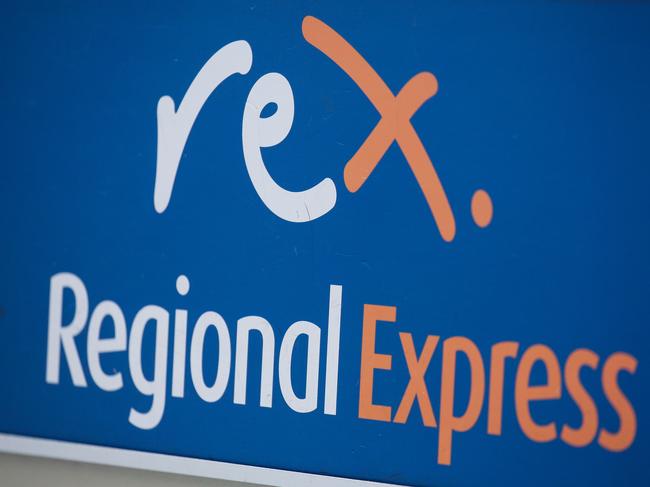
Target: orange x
417	388
394	125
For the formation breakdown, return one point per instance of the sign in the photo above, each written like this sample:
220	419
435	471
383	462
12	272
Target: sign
304	244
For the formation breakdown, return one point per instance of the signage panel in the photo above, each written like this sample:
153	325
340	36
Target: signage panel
316	244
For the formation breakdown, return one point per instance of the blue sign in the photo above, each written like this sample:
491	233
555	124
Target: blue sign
322	244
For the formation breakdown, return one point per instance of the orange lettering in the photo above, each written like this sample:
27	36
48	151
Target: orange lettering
525	393
416	387
394	125
624	437
371	361
448	422
500	352
585	434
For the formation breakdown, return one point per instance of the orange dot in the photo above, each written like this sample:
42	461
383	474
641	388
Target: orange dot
482	209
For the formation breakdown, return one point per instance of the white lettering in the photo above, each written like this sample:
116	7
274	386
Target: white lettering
63	336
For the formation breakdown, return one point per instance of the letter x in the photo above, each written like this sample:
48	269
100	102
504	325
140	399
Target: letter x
417	388
394	125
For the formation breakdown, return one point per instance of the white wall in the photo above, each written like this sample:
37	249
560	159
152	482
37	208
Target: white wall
19	471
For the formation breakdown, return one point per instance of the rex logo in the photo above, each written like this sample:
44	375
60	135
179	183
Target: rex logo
394	125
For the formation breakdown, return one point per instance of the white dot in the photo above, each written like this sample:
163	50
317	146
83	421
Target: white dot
182	285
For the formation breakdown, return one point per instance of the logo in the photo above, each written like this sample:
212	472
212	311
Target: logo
394	125
461	398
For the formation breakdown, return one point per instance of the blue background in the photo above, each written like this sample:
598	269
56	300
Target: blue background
544	104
